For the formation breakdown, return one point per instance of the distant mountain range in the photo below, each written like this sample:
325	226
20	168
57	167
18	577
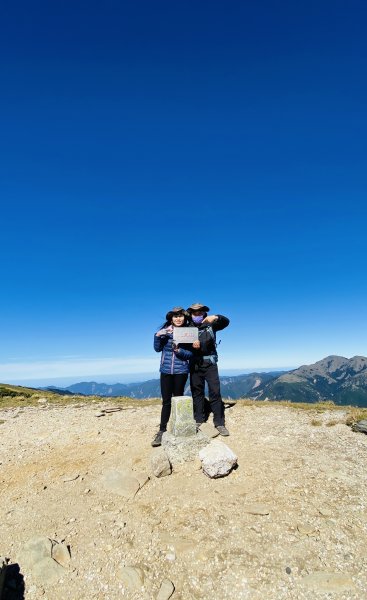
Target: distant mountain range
342	380
232	387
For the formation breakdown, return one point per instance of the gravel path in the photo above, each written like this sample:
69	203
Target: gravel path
290	523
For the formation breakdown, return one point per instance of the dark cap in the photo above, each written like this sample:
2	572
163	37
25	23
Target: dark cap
198	306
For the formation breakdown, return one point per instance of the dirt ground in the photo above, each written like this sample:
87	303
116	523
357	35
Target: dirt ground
289	523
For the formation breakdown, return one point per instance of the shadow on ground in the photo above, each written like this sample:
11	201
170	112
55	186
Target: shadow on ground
13	584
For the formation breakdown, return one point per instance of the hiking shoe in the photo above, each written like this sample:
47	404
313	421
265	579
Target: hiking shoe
198	425
158	439
222	430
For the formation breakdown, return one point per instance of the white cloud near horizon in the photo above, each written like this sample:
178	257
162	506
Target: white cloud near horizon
75	366
93	367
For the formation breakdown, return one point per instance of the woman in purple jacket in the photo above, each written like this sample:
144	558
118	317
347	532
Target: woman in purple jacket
174	366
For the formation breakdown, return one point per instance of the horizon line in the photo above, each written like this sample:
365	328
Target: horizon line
132	377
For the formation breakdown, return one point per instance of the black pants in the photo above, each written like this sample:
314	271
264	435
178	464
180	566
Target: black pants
171	385
206	373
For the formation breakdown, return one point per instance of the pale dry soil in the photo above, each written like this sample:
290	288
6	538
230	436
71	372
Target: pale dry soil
197	532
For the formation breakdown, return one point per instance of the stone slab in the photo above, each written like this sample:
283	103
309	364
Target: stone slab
209	430
121	483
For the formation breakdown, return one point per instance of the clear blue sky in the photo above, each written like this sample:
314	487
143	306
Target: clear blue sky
161	153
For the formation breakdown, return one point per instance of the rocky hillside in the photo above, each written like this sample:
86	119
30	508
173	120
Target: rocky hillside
342	380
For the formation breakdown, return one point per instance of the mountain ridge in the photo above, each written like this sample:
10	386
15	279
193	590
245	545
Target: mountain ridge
337	378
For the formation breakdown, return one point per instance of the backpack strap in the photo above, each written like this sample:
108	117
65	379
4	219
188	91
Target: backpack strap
209	329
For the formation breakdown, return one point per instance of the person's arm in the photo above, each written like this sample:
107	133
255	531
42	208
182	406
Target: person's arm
183	354
219	323
159	342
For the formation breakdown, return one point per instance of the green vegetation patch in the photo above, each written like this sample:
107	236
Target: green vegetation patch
5	391
13	396
352	413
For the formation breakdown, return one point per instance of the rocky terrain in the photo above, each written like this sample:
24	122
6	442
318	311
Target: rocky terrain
290	523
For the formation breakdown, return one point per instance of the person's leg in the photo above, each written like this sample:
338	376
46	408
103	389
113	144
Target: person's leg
179	382
215	398
167	382
197	384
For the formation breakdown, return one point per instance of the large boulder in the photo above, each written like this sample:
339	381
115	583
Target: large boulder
217	459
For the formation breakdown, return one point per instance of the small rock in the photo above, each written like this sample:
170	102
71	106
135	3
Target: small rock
60	553
202	555
209	430
256	509
181	546
325	512
328	582
132	578
197	464
360	426
166	590
71	477
160	463
306	529
171	556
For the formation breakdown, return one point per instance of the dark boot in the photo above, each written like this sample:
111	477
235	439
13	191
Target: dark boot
157	441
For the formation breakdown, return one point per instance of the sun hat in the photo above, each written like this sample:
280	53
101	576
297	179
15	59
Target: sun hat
199	306
176	310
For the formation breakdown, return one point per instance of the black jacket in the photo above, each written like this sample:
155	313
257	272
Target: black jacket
207	339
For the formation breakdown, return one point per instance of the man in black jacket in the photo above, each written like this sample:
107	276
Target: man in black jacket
204	366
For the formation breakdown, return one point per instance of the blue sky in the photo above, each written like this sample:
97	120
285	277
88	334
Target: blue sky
162	153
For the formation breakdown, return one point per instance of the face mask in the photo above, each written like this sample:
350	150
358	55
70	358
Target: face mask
198	320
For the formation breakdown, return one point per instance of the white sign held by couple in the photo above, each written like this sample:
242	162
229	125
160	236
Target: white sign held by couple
185	335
